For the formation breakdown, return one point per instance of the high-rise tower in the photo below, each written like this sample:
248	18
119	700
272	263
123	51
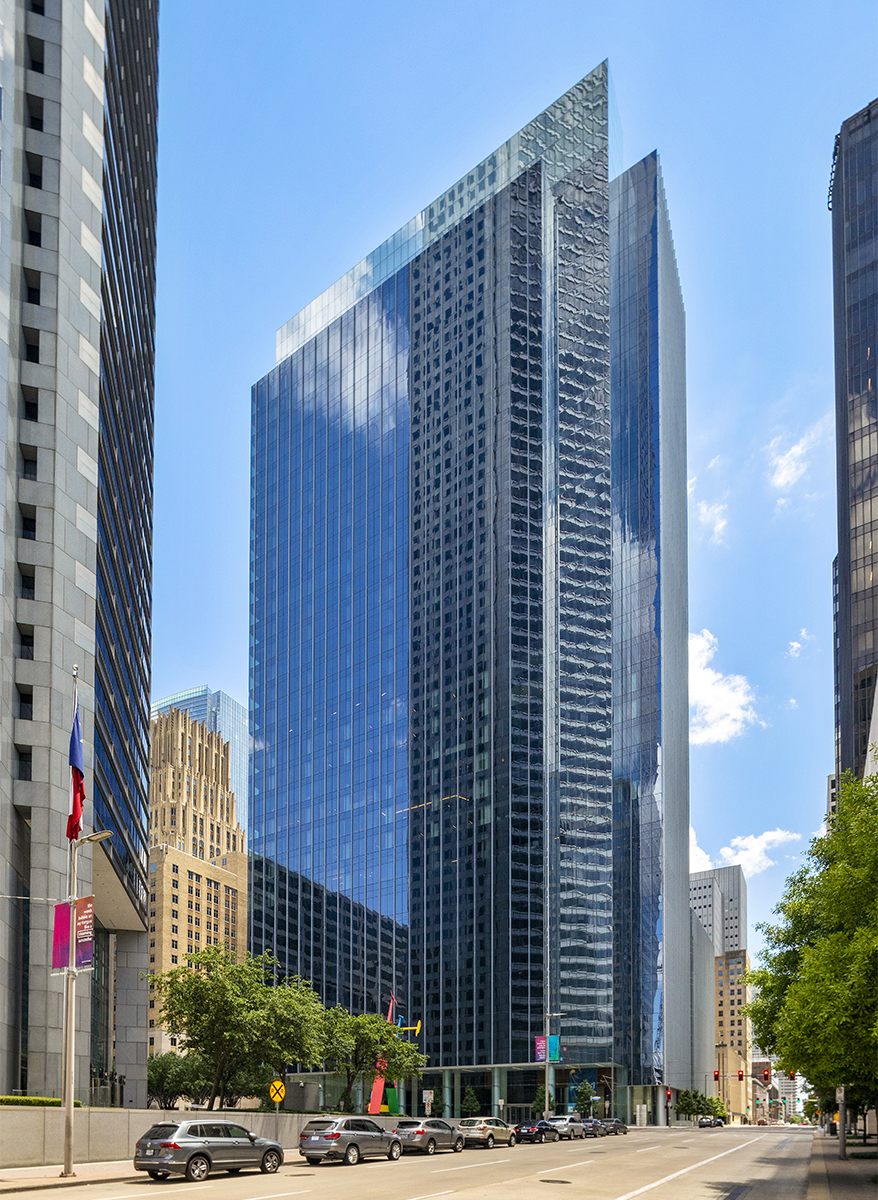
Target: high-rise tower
853	198
434	518
77	273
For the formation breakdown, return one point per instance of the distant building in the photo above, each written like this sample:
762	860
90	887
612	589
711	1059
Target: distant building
733	1055
854	203
719	900
197	855
221	714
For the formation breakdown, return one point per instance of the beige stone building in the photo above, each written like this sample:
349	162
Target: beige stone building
197	856
733	1045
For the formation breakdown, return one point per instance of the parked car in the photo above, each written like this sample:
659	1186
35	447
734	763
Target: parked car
537	1131
195	1148
614	1125
705	1122
485	1131
428	1136
718	1121
347	1139
762	1121
569	1126
592	1127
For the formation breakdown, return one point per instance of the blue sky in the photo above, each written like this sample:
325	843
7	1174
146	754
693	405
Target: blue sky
292	143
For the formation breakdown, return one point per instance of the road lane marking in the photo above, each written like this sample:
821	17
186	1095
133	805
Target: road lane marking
486	1163
649	1186
275	1195
430	1195
645	1148
567	1166
127	1195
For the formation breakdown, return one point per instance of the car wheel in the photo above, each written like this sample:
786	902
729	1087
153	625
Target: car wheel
541	1138
512	1140
198	1168
396	1150
157	1174
271	1160
352	1155
489	1142
430	1147
458	1146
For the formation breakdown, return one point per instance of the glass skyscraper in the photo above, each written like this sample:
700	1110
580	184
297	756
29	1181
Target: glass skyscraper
221	714
853	198
435	507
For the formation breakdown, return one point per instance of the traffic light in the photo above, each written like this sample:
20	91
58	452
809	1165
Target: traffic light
668	1095
792	1074
766	1075
716	1077
740	1077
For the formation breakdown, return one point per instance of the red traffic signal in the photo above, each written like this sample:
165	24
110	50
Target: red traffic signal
716	1077
765	1075
740	1077
792	1074
668	1095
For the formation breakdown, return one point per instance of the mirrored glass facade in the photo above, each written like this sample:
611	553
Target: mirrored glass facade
432	615
854	203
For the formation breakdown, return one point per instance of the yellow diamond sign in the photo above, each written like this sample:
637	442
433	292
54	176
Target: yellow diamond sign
277	1091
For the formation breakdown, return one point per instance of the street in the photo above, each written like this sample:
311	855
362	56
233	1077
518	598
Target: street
756	1162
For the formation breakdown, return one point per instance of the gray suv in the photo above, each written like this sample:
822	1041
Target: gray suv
569	1126
429	1135
195	1148
347	1139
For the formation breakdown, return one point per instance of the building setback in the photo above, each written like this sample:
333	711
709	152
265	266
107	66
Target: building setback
197	856
221	714
458	438
77	276
853	198
719	899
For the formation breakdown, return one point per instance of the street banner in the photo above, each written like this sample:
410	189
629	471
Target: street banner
85	932
61	938
540	1044
554	1048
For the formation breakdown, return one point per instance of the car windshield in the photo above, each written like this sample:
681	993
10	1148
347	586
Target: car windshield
314	1126
158	1132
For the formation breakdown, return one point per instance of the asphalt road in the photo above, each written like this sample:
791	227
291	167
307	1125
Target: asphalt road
759	1163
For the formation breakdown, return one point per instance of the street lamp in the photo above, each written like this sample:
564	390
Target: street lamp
549	1016
100	835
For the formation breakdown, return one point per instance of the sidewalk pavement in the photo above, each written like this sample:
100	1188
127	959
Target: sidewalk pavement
833	1178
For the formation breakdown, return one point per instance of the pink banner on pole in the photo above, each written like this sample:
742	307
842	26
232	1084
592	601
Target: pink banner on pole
540	1046
85	930
61	938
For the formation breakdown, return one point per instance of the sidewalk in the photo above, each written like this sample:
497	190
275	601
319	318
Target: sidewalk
14	1180
832	1178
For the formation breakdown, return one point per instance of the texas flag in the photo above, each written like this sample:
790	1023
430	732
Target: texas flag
77	782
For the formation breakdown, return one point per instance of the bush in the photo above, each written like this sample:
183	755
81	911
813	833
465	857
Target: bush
36	1101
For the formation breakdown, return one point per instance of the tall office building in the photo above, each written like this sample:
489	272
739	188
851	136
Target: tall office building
719	899
197	856
221	714
853	198
733	1034
468	681
77	270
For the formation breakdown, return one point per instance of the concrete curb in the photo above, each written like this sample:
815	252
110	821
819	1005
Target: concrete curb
8	1188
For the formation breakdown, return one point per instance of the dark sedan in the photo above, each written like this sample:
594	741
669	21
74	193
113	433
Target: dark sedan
591	1127
614	1125
537	1131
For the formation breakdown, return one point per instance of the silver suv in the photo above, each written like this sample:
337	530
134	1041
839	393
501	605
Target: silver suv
485	1131
347	1139
195	1148
569	1126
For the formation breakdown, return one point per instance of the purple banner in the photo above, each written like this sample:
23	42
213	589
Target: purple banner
540	1044
61	938
85	925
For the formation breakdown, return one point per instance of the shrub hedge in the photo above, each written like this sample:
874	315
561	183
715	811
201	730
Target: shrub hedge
39	1101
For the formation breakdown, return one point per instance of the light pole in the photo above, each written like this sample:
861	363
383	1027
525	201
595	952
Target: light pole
549	1016
70	999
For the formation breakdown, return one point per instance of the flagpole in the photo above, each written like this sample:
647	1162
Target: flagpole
70	987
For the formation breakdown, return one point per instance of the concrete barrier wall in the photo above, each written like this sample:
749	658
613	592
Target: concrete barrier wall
34	1137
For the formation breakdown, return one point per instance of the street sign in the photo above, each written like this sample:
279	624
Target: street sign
427	1096
839	1095
277	1091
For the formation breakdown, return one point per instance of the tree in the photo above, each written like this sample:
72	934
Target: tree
437	1108
817	1001
714	1107
197	1077
238	1014
585	1093
470	1106
356	1044
539	1101
165	1079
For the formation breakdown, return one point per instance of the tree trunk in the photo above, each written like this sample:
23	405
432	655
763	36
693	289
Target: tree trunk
217	1081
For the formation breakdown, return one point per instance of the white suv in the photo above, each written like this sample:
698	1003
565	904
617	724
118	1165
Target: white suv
569	1126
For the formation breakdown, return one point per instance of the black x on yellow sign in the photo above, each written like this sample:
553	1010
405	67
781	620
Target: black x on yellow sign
277	1091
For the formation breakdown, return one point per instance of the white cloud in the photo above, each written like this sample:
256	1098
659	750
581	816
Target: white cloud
714	462
690	485
796	647
786	467
722	704
699	860
793	703
713	517
750	851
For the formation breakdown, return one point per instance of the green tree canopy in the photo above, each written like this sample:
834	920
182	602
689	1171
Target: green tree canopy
469	1105
585	1093
354	1045
165	1079
238	1014
538	1107
817	1001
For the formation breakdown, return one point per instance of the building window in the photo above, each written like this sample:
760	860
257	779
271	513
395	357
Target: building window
31	344
173	958
28	523
24	762
25	705
30	403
